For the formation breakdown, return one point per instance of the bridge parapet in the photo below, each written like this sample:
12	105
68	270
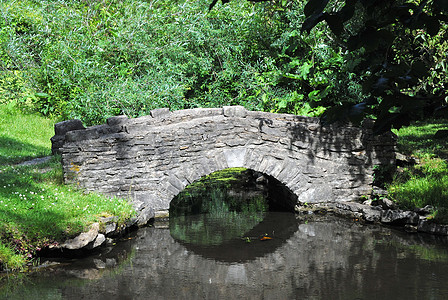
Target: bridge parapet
152	158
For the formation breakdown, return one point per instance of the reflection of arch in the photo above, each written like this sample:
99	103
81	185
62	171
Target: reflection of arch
280	226
152	158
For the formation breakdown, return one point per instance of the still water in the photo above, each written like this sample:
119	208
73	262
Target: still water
321	257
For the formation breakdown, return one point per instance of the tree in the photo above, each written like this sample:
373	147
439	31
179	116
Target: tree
397	48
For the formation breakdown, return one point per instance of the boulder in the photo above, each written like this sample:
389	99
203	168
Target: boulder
424	225
83	239
371	214
399	217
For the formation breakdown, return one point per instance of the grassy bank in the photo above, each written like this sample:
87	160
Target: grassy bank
425	183
36	208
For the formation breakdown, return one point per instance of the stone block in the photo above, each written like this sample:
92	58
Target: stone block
235	157
62	128
316	194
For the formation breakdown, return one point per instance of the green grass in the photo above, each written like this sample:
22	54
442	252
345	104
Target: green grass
36	208
417	139
425	183
23	135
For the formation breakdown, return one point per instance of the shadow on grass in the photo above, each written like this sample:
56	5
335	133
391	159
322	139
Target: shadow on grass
13	151
420	137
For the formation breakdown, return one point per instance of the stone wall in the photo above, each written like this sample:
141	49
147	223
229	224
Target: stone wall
152	158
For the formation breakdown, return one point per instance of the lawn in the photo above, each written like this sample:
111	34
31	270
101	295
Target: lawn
36	208
425	183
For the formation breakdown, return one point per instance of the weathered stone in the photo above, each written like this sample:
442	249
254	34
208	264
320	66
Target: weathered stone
146	214
161	214
118	120
83	239
36	161
430	227
428	209
403	160
386	203
151	159
378	192
371	214
60	129
99	240
110	228
235	111
317	193
399	217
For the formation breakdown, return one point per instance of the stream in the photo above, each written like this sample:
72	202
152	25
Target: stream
320	257
231	244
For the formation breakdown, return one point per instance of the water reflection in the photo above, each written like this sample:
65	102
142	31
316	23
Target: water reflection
323	258
254	241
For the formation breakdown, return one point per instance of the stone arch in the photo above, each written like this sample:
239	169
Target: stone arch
152	158
229	158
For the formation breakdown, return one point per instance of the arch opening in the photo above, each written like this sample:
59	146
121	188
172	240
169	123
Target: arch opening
230	207
240	189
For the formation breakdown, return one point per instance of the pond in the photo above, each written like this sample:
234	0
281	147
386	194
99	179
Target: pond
268	255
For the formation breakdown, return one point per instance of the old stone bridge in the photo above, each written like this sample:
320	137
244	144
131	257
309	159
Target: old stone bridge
152	158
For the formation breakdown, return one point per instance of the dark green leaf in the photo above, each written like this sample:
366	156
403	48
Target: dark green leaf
42	95
419	69
347	12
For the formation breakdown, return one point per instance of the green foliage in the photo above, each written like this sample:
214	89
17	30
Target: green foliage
92	60
418	139
37	209
9	260
399	48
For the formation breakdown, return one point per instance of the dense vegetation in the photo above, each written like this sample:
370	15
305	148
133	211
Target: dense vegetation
95	59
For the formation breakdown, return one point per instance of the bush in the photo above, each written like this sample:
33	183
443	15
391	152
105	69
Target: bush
92	60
